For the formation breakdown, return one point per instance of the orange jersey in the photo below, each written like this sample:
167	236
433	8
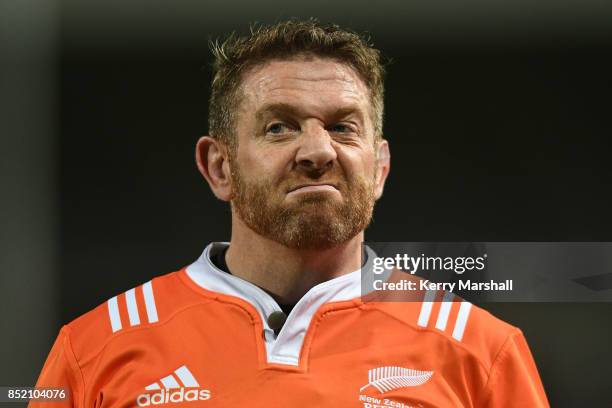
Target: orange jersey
200	337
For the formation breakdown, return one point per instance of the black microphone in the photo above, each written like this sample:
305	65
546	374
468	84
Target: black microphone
276	320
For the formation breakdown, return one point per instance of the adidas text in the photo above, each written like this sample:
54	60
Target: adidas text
172	395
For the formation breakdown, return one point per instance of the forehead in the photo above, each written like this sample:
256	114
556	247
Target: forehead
311	84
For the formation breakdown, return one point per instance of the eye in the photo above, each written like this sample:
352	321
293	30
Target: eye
278	128
341	128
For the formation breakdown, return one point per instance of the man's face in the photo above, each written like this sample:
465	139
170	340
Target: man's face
304	172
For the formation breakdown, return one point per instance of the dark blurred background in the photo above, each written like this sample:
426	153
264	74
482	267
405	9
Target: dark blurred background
498	116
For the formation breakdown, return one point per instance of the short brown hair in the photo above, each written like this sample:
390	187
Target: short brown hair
285	40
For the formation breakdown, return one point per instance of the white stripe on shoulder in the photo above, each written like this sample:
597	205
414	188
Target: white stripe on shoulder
445	308
130	298
426	307
147	291
113	312
462	318
186	377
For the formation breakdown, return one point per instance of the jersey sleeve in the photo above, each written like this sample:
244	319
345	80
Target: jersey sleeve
61	370
514	380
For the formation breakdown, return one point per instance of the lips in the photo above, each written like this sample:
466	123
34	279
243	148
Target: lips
313	186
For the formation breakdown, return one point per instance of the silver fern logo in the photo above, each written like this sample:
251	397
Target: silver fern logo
390	378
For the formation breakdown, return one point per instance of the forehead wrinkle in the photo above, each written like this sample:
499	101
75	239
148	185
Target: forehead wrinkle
308	84
324	97
318	79
272	75
342	92
272	85
315	69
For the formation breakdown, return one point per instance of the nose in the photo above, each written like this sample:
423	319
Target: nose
315	151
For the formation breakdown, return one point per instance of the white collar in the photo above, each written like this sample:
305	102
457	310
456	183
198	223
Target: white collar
286	347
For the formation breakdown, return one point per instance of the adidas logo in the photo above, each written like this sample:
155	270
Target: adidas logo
179	386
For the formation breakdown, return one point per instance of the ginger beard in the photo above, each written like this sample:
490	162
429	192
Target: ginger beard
310	221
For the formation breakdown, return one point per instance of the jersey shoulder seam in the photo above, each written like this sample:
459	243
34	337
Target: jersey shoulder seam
70	349
216	296
498	356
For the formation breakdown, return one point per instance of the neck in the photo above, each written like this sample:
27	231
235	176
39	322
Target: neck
286	273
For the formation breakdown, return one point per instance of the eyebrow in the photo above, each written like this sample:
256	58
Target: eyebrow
278	107
288	109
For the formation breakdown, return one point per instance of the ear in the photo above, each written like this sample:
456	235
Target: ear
212	161
383	165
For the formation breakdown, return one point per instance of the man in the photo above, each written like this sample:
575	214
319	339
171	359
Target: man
275	317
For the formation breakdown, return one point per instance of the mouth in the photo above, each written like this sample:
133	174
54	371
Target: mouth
312	188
